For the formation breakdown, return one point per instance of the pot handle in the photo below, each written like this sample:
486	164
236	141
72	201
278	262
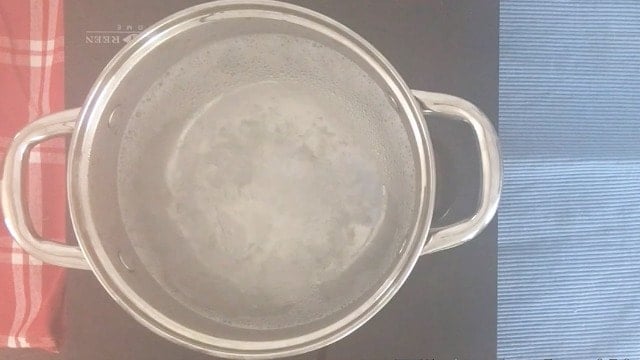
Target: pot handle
16	215
458	233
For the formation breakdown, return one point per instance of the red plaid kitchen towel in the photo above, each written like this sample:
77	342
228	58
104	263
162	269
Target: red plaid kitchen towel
32	85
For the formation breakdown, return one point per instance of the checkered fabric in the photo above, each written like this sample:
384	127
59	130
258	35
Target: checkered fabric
32	85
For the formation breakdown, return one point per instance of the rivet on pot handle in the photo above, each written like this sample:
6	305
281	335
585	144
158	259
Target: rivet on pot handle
491	163
13	200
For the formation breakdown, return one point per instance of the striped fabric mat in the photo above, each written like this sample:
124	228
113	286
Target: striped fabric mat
569	222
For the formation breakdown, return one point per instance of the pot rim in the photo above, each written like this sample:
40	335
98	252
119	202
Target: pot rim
135	305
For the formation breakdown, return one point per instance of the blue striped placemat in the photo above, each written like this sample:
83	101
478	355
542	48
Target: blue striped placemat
569	222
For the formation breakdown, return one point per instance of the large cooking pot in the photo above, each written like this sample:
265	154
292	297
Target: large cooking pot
250	179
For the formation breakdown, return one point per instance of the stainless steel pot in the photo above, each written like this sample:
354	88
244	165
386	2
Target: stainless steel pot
250	179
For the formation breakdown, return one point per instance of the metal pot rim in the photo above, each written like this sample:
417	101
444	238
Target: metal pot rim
136	306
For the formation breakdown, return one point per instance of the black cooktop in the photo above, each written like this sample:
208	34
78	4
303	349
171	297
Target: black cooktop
447	307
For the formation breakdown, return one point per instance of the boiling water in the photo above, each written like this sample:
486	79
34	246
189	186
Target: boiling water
272	196
262	200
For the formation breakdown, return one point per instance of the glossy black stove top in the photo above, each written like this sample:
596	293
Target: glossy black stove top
447	308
